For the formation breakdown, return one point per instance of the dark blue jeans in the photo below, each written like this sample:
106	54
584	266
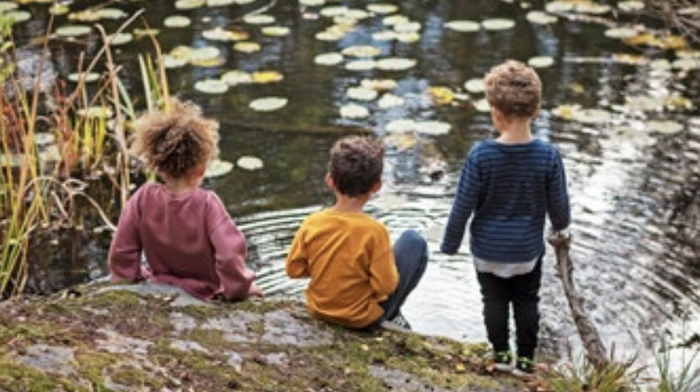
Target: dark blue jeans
520	291
411	255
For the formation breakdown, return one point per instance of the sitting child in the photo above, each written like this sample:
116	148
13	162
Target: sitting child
357	280
185	233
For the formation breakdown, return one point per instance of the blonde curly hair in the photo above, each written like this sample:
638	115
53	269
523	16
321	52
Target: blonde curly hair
514	89
173	143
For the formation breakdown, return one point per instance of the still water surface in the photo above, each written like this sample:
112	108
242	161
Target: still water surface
634	192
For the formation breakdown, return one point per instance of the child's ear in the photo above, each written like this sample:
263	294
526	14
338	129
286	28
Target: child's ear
376	187
329	181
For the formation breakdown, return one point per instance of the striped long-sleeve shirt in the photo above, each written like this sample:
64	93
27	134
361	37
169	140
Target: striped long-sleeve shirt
508	190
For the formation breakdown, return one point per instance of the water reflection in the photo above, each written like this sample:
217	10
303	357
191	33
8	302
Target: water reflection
634	192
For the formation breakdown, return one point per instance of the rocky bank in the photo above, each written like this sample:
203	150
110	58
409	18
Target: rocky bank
104	337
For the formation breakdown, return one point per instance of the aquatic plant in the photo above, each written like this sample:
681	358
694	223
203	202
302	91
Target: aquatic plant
39	189
685	379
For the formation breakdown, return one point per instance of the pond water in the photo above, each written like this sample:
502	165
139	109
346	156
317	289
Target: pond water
634	188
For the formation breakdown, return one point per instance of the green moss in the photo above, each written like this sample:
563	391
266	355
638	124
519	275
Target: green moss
91	366
18	377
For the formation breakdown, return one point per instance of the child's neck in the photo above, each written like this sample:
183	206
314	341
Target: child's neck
180	185
350	204
514	133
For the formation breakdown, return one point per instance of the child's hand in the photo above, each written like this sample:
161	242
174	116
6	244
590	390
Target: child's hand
255	291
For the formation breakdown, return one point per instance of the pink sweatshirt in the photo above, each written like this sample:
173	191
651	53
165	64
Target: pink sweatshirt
188	240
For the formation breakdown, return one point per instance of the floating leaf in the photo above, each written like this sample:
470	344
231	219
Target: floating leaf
474	85
361	51
219	34
268	104
188	4
177	21
218	168
112	13
390	101
432	127
497	24
395	64
259	19
145	32
541	18
482	105
85	16
333	11
407	27
328	59
211	86
631	5
170	61
408	37
361	65
386	35
540	62
362	93
394	20
382	8
379	84
463	26
664	126
354	110
247	47
6	6
275	31
120	39
203	53
236	77
622	32
312	3
566	112
442	95
96	111
249	163
263	77
87	77
73	30
58	9
219	3
687	63
401	126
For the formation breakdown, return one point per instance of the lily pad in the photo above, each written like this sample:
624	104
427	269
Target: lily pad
177	21
463	26
401	126
498	24
218	168
220	34
382	8
96	112
259	19
389	100
268	104
87	77
211	86
263	77
6	6
73	30
235	77
622	32
395	19
18	16
189	4
219	3
482	105
379	84
395	64
475	85
541	18
247	47
361	65
112	13
407	27
432	127
329	59
540	61
120	39
312	3
592	116
171	62
354	110
631	5
333	11
362	93
384	35
408	37
249	163
664	126
275	31
362	51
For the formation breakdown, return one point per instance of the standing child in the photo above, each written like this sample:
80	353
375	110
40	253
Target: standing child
357	280
185	233
508	186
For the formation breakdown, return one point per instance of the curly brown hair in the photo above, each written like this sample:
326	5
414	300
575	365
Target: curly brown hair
514	89
356	164
173	143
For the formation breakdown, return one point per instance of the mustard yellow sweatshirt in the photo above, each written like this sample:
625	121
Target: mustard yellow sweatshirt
350	261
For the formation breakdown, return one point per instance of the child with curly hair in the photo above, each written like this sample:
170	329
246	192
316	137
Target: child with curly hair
184	232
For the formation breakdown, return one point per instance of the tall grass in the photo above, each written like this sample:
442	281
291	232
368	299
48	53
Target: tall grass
34	197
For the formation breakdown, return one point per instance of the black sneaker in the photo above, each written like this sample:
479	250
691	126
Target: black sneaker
502	361
524	368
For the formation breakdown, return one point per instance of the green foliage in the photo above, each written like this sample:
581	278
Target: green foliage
686	379
583	376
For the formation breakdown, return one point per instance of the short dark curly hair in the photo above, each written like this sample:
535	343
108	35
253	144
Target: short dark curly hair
174	142
514	88
356	164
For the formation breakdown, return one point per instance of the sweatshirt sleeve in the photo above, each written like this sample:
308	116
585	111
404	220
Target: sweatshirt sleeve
557	196
125	250
230	253
383	274
465	201
297	264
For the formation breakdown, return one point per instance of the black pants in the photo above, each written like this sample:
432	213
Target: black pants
522	292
